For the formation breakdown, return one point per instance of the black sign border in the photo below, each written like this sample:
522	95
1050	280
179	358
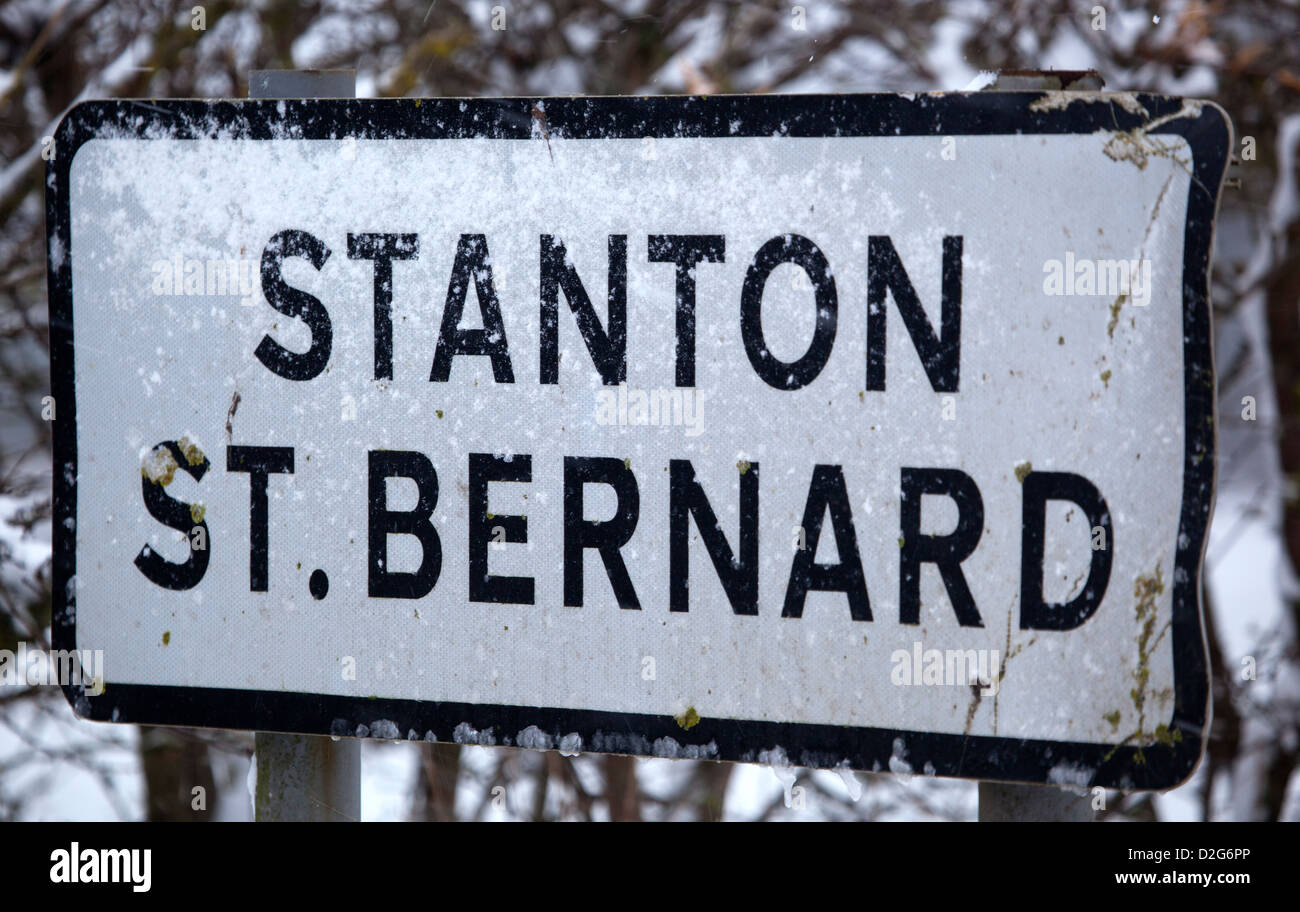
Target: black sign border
1207	131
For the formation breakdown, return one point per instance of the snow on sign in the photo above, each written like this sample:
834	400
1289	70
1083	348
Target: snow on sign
872	432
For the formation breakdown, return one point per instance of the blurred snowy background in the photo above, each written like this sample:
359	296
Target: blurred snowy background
1240	54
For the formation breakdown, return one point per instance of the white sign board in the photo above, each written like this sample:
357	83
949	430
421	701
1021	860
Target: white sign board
868	431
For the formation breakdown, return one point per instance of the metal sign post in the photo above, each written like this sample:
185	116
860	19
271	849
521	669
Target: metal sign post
305	777
1002	801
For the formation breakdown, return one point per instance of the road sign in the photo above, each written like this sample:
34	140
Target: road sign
871	432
